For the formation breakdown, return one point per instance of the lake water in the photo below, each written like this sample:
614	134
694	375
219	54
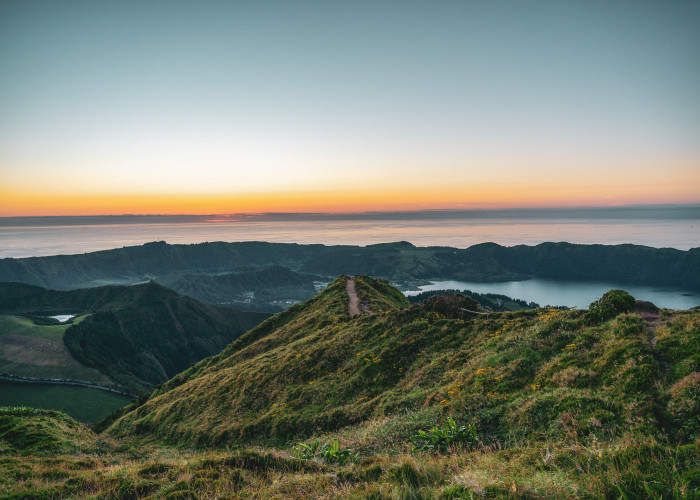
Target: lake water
51	239
84	404
569	293
62	318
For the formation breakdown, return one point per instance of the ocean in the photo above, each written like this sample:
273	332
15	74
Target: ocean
28	237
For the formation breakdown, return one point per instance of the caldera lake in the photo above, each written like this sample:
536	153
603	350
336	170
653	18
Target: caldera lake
570	293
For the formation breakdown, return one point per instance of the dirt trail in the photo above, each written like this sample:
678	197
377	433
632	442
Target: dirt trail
354	301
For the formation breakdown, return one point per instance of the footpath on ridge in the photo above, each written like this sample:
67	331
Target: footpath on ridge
353	300
354	306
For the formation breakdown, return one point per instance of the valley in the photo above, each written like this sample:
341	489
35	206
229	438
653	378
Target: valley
125	339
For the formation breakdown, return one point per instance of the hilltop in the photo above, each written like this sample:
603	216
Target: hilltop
315	369
547	403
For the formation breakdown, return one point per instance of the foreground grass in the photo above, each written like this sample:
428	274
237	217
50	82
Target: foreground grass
620	469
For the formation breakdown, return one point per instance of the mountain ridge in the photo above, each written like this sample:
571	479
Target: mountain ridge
627	264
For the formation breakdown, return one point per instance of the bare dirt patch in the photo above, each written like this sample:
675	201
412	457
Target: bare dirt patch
647	310
354	301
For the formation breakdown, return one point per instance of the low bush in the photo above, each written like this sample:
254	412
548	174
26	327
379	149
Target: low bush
439	439
608	306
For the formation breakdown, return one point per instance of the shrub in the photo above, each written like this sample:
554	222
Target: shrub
306	452
439	439
608	306
330	452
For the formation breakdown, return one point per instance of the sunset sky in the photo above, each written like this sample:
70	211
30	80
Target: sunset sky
168	107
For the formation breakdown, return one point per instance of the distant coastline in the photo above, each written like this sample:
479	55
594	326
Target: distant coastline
654	226
648	212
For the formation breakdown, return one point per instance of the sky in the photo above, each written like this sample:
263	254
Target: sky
205	107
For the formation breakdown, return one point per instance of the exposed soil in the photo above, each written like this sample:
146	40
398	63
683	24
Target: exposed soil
353	300
647	310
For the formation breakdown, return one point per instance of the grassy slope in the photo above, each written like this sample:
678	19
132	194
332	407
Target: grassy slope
31	350
156	336
29	431
541	373
564	410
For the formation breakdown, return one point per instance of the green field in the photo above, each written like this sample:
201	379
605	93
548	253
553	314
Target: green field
82	403
31	350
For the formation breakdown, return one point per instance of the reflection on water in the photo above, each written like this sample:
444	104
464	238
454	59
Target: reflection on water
570	293
52	240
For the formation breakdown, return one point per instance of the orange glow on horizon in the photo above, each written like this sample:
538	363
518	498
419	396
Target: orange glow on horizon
515	195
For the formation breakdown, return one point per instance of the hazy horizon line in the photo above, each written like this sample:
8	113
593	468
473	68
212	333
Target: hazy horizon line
655	211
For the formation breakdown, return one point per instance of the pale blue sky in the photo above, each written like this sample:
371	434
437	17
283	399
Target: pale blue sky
244	97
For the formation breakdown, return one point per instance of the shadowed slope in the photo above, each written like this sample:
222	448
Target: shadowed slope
140	335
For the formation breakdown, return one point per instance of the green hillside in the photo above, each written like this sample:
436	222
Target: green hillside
491	301
39	351
540	373
133	336
540	403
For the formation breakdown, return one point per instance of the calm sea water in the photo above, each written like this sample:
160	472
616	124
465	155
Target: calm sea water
570	293
38	240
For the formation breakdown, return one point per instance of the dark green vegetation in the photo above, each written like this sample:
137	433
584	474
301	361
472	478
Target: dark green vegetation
490	301
545	403
82	403
136	336
267	276
272	288
28	431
